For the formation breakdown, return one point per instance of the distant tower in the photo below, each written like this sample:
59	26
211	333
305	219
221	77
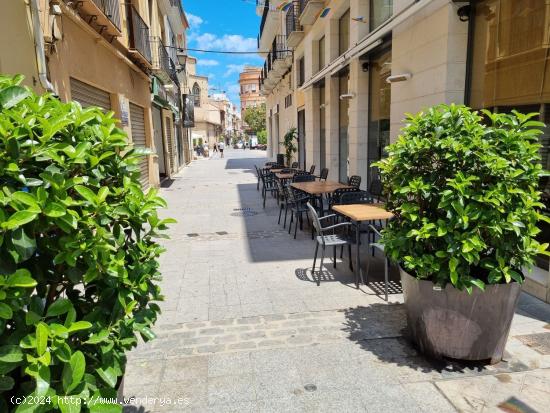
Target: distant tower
249	81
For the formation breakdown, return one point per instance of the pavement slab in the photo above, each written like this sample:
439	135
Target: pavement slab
245	328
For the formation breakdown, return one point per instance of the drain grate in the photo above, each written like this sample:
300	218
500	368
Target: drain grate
194	234
539	342
243	212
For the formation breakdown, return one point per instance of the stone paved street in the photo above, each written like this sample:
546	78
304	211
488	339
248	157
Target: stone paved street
245	329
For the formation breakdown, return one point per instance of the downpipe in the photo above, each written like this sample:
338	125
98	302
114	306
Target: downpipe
39	48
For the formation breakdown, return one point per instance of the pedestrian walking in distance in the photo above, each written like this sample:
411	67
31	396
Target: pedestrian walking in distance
221	147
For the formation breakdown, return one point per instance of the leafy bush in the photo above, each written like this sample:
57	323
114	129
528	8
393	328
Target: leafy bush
262	137
78	259
288	143
465	195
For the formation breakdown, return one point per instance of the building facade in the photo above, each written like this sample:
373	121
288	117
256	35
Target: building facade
345	72
249	83
113	54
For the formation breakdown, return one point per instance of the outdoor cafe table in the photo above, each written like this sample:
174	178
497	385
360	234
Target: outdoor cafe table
359	213
318	188
285	176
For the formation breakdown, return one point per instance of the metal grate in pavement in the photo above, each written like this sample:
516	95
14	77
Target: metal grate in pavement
539	342
243	212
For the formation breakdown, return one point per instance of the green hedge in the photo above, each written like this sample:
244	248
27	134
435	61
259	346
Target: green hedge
464	187
78	256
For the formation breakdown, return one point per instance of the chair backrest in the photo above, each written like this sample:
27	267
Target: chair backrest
281	189
300	172
312	169
295	165
357	197
376	189
354	181
315	220
324	174
286	171
337	195
303	178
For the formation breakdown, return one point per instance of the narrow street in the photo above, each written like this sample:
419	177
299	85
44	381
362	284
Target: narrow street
245	329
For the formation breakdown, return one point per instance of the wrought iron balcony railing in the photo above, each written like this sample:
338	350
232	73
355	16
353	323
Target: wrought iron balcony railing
280	48
111	9
162	60
293	18
138	33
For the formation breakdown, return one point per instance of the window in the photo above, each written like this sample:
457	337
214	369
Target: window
379	110
197	95
343	26
510	69
380	11
321	53
301	71
288	101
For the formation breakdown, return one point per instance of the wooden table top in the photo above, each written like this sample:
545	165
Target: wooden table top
363	212
319	187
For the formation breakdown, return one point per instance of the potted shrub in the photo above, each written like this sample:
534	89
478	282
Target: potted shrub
78	255
463	186
289	144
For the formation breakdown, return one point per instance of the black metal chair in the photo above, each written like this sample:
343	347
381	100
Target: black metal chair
295	165
303	177
298	206
271	164
380	247
268	184
323	175
258	174
355	197
312	169
354	181
283	201
329	240
376	190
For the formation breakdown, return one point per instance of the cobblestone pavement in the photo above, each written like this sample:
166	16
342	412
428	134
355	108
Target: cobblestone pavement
245	328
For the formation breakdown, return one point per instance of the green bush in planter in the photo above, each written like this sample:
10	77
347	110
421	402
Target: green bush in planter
78	257
464	191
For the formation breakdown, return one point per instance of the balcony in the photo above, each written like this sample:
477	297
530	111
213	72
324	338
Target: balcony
138	36
164	66
270	23
103	15
281	55
261	6
309	11
294	31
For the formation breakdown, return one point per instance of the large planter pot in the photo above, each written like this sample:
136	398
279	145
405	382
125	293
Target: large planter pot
454	324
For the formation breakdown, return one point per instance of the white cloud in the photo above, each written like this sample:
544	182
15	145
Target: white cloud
226	43
233	69
207	62
194	21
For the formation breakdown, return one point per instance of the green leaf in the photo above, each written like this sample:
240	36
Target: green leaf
21	278
108	375
18	219
12	95
42	333
79	325
69	405
63	352
73	372
105	408
42	381
6	383
58	307
5	311
11	354
25	198
54	209
99	337
478	283
23	244
86	193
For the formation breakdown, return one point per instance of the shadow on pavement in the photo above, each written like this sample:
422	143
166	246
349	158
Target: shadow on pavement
380	329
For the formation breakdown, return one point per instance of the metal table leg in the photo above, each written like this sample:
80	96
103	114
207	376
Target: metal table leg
358	275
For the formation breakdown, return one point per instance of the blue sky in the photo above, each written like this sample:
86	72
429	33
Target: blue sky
227	25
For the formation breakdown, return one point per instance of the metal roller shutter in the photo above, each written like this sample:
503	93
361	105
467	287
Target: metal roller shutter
171	145
88	95
137	119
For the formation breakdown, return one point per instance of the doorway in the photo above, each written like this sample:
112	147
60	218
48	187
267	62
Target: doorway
302	138
159	145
